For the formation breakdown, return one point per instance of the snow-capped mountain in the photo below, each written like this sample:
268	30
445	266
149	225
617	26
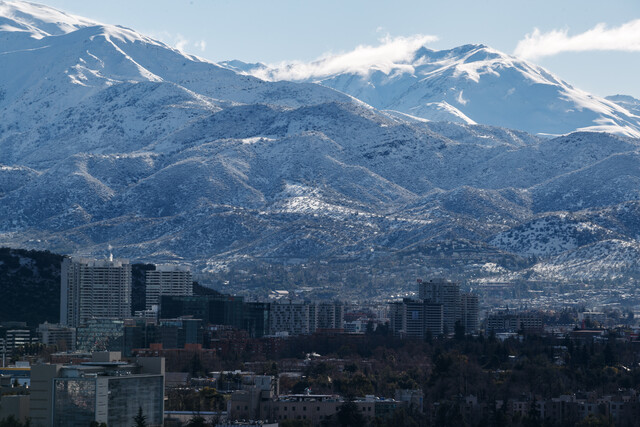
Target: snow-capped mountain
630	103
472	84
110	138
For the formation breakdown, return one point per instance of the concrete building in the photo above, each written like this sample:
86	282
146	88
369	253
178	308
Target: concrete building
447	293
414	398
295	318
14	339
62	337
315	409
469	311
329	315
94	289
415	318
103	390
167	279
511	321
438	307
16	406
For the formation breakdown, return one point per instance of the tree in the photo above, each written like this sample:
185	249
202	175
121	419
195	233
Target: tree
140	420
11	421
197	421
349	416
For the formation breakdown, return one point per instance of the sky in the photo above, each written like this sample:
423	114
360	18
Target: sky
594	45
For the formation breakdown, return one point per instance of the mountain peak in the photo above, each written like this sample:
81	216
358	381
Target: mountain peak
39	20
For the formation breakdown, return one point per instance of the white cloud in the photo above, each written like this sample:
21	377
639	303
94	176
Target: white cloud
202	45
392	53
180	42
625	38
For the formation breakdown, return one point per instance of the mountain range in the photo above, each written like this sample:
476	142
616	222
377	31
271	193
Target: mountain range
110	140
470	84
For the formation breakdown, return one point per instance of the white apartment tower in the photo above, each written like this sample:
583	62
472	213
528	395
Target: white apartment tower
94	289
292	317
167	279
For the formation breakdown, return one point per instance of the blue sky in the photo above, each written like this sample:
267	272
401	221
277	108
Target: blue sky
604	60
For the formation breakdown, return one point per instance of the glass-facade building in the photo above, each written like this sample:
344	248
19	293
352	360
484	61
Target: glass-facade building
105	390
114	400
100	335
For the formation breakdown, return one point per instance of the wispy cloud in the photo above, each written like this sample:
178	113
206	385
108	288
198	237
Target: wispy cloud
625	37
180	42
202	45
392	53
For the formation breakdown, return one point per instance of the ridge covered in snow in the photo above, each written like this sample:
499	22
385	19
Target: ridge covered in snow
468	84
111	139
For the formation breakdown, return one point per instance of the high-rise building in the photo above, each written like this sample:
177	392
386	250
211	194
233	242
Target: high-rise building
439	306
295	318
415	318
98	289
329	315
440	291
256	318
212	309
167	279
469	306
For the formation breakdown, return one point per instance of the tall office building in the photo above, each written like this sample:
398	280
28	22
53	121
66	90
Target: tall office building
167	279
295	318
415	318
440	291
98	289
469	305
438	307
329	315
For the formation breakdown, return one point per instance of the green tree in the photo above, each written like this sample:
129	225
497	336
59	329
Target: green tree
140	420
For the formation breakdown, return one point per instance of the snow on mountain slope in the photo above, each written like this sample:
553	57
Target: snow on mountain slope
630	103
607	182
38	21
550	235
604	260
109	138
473	84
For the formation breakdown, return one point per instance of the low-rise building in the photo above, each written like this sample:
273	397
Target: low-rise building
105	390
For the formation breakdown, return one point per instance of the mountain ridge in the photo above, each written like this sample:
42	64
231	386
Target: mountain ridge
469	84
124	143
